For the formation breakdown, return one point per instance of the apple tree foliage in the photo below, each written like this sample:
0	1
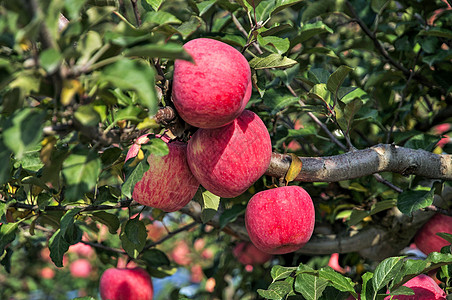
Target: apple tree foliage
81	80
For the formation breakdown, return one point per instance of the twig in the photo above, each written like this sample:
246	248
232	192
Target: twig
172	233
136	12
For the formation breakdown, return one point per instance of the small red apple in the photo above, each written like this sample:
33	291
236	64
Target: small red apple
168	184
181	254
280	220
81	249
248	254
199	244
210	284
80	268
126	284
214	90
228	160
426	239
196	273
207	253
424	287
47	273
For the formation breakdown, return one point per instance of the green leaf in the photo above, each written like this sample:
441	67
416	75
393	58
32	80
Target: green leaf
402	290
317	8
340	282
368	290
276	291
279	272
87	115
209	204
156	147
337	78
310	286
230	215
155	258
81	170
412	200
5	166
279	44
438	32
7	234
377	5
318	75
386	271
445	235
277	100
160	18
189	27
169	50
134	75
23	130
50	60
58	246
6	260
108	219
30	160
272	60
310	30
422	141
320	92
133	175
155	4
283	4
128	113
67	220
133	237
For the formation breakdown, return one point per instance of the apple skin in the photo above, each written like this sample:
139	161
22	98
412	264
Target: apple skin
229	159
247	254
80	268
168	184
424	287
215	90
280	220
426	239
126	284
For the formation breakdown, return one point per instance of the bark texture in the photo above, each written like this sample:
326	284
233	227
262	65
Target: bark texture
359	163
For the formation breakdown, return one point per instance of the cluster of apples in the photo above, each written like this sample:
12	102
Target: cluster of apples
228	153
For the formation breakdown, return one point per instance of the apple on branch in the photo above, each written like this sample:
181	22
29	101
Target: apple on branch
126	284
214	90
228	160
426	238
424	287
168	184
280	220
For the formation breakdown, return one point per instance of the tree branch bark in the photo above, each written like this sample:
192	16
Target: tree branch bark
359	163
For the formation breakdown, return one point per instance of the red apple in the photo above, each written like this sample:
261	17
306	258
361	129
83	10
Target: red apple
126	284
168	184
207	253
210	285
196	273
424	287
81	249
47	273
426	239
248	254
280	220
228	160
215	89
181	254
199	244
80	268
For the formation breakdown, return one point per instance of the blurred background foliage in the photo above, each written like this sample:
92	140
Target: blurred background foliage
76	91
